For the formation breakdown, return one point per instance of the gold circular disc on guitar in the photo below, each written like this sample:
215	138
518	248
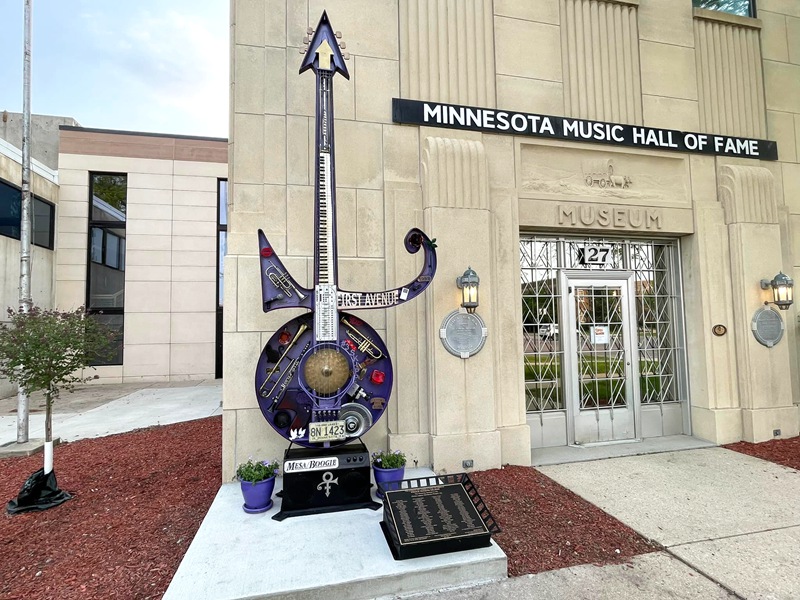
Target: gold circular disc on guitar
326	371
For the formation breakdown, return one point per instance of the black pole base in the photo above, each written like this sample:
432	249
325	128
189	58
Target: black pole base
39	492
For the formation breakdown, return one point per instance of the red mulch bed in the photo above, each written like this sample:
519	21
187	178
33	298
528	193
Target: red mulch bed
138	500
784	452
545	526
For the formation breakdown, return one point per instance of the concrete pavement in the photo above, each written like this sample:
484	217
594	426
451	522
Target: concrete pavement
96	410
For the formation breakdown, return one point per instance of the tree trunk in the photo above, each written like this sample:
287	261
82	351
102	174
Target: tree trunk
48	418
48	432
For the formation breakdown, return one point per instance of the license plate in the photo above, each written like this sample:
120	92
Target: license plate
326	431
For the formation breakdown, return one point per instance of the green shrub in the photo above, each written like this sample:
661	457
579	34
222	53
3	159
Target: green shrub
389	460
255	471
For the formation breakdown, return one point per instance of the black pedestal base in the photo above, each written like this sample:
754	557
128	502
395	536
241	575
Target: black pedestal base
325	480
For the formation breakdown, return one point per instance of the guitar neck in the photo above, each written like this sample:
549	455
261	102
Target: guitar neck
325	268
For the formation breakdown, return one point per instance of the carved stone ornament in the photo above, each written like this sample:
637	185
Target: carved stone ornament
601	174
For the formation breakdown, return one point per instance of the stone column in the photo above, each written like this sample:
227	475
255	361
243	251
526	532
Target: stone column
705	258
465	414
748	197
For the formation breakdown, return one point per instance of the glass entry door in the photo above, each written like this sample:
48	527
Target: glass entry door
603	358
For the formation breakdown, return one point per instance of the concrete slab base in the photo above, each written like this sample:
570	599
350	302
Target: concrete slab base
560	455
335	555
28	448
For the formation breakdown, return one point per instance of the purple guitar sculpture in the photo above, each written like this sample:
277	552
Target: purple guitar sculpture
325	378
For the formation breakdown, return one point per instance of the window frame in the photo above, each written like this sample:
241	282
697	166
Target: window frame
52	220
103	225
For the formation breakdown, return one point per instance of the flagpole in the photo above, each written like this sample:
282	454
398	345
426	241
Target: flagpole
25	300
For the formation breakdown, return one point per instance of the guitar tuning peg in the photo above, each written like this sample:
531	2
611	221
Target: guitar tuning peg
346	56
302	50
305	40
310	31
343	45
338	34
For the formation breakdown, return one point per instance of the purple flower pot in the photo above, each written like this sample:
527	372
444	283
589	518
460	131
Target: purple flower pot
387	475
258	495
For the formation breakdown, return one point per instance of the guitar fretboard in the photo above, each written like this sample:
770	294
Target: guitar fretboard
325	258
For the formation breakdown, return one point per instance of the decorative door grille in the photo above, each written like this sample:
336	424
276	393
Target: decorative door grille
658	314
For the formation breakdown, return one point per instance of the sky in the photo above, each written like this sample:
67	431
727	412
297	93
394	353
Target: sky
139	65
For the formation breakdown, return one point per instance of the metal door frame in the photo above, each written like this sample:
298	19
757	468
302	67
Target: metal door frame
626	279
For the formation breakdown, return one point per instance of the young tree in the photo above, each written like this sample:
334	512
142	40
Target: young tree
46	350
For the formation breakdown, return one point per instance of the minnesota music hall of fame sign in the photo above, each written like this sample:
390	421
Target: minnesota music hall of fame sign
491	120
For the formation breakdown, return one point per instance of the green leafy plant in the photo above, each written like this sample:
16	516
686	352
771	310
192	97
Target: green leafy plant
255	470
389	460
47	350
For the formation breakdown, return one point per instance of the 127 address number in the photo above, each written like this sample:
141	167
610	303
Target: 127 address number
594	255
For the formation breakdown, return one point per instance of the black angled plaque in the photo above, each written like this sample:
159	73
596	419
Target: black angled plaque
435	515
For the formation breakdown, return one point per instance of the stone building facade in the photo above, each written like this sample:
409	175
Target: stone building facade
130	227
146	265
605	268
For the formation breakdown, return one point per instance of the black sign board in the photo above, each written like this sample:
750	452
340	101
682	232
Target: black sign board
494	120
434	519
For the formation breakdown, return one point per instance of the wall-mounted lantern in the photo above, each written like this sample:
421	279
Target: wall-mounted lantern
782	290
468	284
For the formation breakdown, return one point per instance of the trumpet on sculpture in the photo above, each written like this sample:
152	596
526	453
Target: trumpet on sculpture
280	279
362	342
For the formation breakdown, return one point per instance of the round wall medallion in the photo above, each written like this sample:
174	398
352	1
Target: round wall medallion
767	326
463	334
719	330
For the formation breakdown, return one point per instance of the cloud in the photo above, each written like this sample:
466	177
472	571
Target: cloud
174	64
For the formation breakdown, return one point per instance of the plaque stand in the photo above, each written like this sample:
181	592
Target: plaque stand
435	515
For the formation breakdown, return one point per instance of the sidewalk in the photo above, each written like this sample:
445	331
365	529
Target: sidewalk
729	524
97	410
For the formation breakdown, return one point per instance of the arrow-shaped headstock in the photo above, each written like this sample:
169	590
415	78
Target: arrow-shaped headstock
323	52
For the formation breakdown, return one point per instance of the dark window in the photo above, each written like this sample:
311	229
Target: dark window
222	218
222	248
743	8
109	197
114	323
105	285
222	238
11	215
43	219
96	245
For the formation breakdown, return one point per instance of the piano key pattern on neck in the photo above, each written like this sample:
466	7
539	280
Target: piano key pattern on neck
326	271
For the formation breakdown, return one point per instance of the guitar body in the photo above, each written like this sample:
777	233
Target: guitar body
325	378
333	382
